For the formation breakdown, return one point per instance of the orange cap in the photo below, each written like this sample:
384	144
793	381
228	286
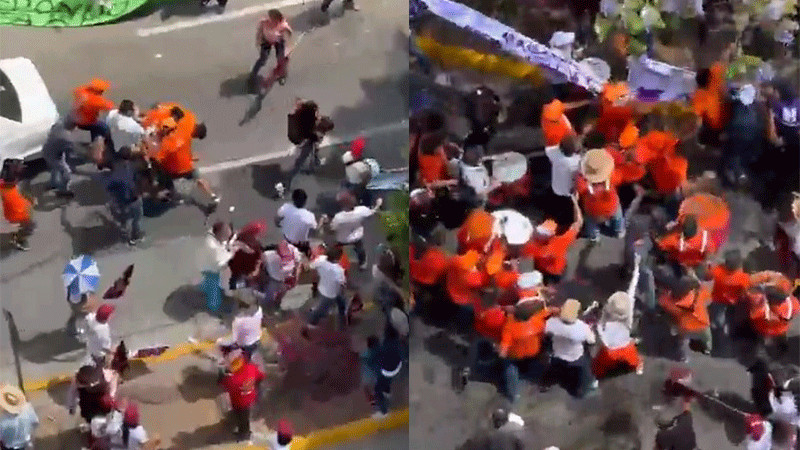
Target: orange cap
614	92
553	111
99	84
629	136
169	123
468	260
547	228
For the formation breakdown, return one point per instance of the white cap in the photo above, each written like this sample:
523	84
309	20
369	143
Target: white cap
562	39
747	94
347	157
530	280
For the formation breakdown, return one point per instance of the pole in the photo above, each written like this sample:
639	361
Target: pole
14	334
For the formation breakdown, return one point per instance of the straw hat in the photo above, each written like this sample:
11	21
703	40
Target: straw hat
552	111
11	399
529	280
597	166
617	307
569	311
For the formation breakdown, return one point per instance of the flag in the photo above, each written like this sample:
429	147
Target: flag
117	290
119	362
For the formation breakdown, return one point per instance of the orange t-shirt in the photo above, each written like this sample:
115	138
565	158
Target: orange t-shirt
690	312
654	144
555	132
691	253
669	172
432	168
476	231
489	322
520	340
506	279
773	320
175	153
599	202
89	105
629	171
551	256
729	287
463	286
16	208
162	112
709	102
430	267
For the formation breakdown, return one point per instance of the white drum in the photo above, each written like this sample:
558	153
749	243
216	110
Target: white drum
516	228
374	167
509	167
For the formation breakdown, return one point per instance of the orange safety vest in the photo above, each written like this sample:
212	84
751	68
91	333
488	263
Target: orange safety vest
16	208
690	312
770	320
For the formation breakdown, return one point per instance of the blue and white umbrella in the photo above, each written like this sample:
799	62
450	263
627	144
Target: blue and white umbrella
81	275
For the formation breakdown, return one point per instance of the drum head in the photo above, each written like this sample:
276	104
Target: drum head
516	228
509	167
598	67
711	211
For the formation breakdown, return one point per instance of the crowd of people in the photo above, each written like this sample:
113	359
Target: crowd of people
628	170
145	156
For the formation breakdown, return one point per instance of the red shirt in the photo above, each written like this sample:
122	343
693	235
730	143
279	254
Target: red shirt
241	385
601	200
489	322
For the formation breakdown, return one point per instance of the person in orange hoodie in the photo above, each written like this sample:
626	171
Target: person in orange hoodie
175	158
730	287
549	250
772	310
464	279
687	304
685	245
520	346
16	207
669	172
433	164
488	323
427	266
597	187
86	108
709	104
476	232
625	155
555	124
616	110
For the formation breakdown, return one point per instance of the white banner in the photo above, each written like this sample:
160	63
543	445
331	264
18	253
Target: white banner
648	79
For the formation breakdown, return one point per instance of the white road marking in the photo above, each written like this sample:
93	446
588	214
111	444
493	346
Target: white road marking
237	163
224	17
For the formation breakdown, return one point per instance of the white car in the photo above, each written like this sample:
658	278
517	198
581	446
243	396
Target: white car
27	112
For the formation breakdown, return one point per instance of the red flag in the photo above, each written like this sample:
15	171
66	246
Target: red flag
117	290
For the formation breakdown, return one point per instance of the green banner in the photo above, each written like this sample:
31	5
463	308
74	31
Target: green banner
65	13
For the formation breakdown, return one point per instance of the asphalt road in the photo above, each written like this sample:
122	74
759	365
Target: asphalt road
354	65
394	440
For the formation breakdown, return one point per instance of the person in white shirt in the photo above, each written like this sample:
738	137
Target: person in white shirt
18	421
759	433
283	265
565	161
331	286
570	361
348	225
125	432
614	331
98	334
246	329
296	221
125	130
475	175
219	247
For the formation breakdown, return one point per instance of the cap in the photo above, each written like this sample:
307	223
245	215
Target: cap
547	228
552	111
169	123
530	280
357	147
99	84
754	426
104	312
629	136
285	429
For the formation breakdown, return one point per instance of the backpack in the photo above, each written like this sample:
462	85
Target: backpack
294	131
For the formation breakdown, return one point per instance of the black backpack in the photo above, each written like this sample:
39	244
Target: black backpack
295	133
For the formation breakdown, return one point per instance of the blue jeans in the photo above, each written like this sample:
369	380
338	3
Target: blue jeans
132	212
616	223
263	55
59	173
326	303
512	370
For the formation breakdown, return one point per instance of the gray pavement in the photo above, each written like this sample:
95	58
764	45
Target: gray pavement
353	65
394	440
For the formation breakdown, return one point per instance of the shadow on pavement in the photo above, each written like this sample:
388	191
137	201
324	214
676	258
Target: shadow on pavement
265	177
58	393
215	434
732	421
88	239
198	384
184	303
49	346
234	87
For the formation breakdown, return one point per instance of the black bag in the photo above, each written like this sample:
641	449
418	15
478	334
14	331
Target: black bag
295	133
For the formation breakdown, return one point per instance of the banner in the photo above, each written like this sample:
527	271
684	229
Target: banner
649	79
65	13
509	39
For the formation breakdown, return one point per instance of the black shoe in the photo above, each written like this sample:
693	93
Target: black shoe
65	194
21	245
282	81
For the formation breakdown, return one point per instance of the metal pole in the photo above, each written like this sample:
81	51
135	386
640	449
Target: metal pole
14	334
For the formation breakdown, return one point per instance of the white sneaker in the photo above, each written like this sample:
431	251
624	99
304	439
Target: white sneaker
640	369
595	384
378	415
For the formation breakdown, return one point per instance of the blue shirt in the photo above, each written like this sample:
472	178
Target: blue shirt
17	431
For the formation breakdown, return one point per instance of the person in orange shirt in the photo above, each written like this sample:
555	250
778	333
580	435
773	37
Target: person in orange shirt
669	172
549	250
16	207
476	232
488	323
87	106
464	280
685	245
655	143
431	159
520	346
555	124
175	158
597	186
708	103
625	162
771	313
730	286
687	304
428	261
616	110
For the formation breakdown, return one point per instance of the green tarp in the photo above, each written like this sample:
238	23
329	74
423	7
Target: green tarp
64	13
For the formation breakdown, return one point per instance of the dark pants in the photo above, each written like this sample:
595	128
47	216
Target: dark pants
514	368
576	376
308	148
241	423
358	246
327	3
382	387
263	55
24	231
560	208
326	303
